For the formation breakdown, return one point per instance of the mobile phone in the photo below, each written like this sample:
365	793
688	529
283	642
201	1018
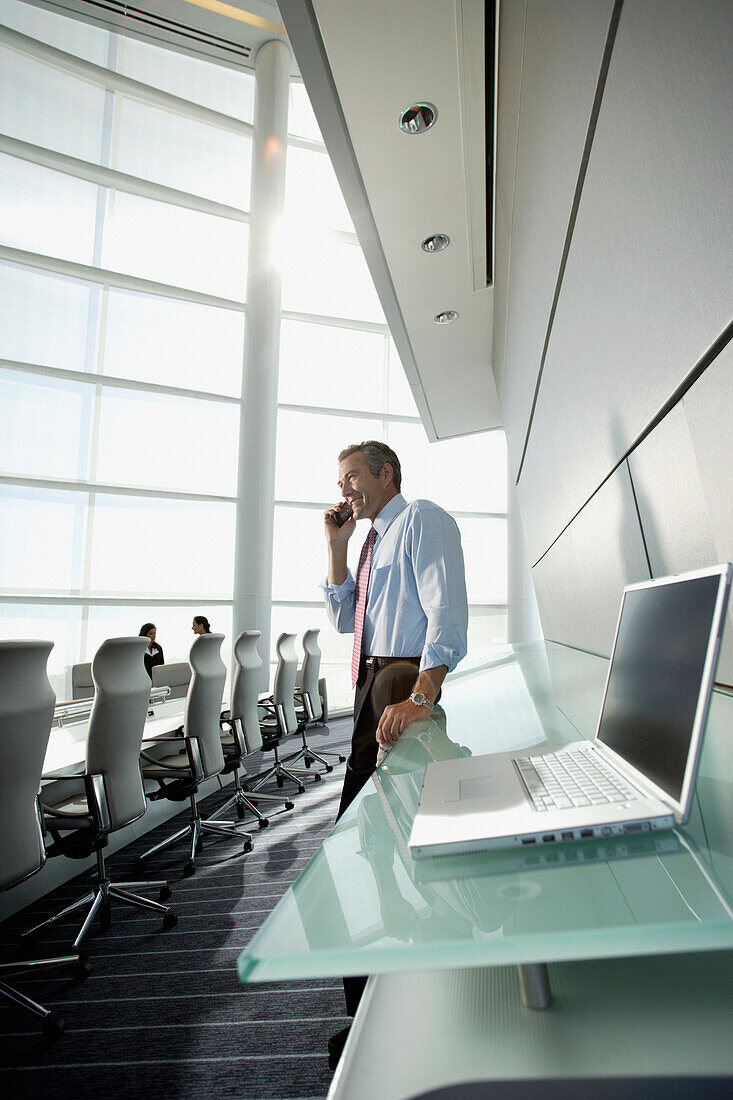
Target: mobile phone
344	513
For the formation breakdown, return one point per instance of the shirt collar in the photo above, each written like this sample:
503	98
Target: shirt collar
390	511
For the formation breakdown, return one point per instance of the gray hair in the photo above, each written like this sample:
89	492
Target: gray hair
375	456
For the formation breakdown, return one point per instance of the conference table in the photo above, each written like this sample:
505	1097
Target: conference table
458	946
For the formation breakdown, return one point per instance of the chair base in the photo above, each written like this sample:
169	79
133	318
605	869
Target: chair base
195	830
53	1026
247	803
100	900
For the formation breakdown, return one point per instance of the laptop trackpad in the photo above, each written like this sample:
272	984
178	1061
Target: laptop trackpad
464	790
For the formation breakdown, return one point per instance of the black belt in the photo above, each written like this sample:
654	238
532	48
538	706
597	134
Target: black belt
382	662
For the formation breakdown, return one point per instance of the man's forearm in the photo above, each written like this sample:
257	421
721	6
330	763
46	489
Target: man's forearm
430	680
337	564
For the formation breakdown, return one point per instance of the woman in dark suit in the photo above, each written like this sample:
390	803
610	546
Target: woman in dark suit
153	655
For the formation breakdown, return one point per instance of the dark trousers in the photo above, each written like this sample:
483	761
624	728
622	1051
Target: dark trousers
375	689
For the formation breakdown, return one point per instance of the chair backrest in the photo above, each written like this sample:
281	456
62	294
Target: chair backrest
176	676
245	688
284	688
26	712
310	672
203	702
116	724
82	685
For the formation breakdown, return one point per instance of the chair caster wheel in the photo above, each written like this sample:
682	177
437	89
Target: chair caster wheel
289	805
280	781
247	846
307	761
164	893
317	777
240	811
189	868
264	822
170	920
342	759
105	916
301	789
81	969
53	1028
329	767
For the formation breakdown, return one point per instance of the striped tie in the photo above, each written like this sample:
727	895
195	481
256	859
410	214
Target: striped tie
362	583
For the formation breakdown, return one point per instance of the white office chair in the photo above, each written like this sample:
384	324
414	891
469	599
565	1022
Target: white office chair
26	712
241	733
281	721
110	794
176	676
82	685
199	754
310	690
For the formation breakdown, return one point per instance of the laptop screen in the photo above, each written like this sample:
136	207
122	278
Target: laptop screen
656	677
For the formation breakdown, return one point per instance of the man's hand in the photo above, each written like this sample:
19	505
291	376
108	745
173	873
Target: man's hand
336	535
395	720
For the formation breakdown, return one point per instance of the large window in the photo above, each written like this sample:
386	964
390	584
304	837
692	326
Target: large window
123	261
122	283
341	381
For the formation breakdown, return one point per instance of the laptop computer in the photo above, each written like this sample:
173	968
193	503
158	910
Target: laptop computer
636	776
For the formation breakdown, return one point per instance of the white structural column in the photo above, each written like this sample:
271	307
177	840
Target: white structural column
523	617
258	417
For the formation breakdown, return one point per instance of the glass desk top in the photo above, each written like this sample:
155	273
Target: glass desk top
364	906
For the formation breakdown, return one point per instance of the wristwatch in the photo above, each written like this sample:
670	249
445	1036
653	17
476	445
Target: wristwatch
421	700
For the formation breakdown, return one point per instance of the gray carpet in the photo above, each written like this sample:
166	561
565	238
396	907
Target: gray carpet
163	1011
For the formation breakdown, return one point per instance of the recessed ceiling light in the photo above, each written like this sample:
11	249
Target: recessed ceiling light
445	317
436	243
418	118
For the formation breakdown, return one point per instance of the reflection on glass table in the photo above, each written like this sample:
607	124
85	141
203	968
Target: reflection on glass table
363	905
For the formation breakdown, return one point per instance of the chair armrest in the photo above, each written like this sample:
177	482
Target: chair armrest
174	735
60	775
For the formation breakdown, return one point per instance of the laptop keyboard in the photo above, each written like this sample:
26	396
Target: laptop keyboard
571	778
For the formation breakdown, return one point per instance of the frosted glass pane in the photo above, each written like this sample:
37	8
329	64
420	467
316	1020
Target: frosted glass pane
467	474
301	120
46	425
168	547
312	195
155	240
183	153
400	398
321	439
43	557
173	343
214	86
485	555
47	212
173	623
69	35
323	275
44	317
168	443
297	576
61	625
331	367
50	108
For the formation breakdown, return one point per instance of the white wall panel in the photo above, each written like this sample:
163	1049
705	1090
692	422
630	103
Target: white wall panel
676	519
648	283
563	49
580	579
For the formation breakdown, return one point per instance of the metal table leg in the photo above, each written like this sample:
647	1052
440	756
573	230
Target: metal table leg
535	986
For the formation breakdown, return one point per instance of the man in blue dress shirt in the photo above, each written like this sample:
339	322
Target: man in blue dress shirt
415	619
416	616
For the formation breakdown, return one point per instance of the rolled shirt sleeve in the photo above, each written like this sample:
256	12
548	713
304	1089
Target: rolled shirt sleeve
440	577
341	603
